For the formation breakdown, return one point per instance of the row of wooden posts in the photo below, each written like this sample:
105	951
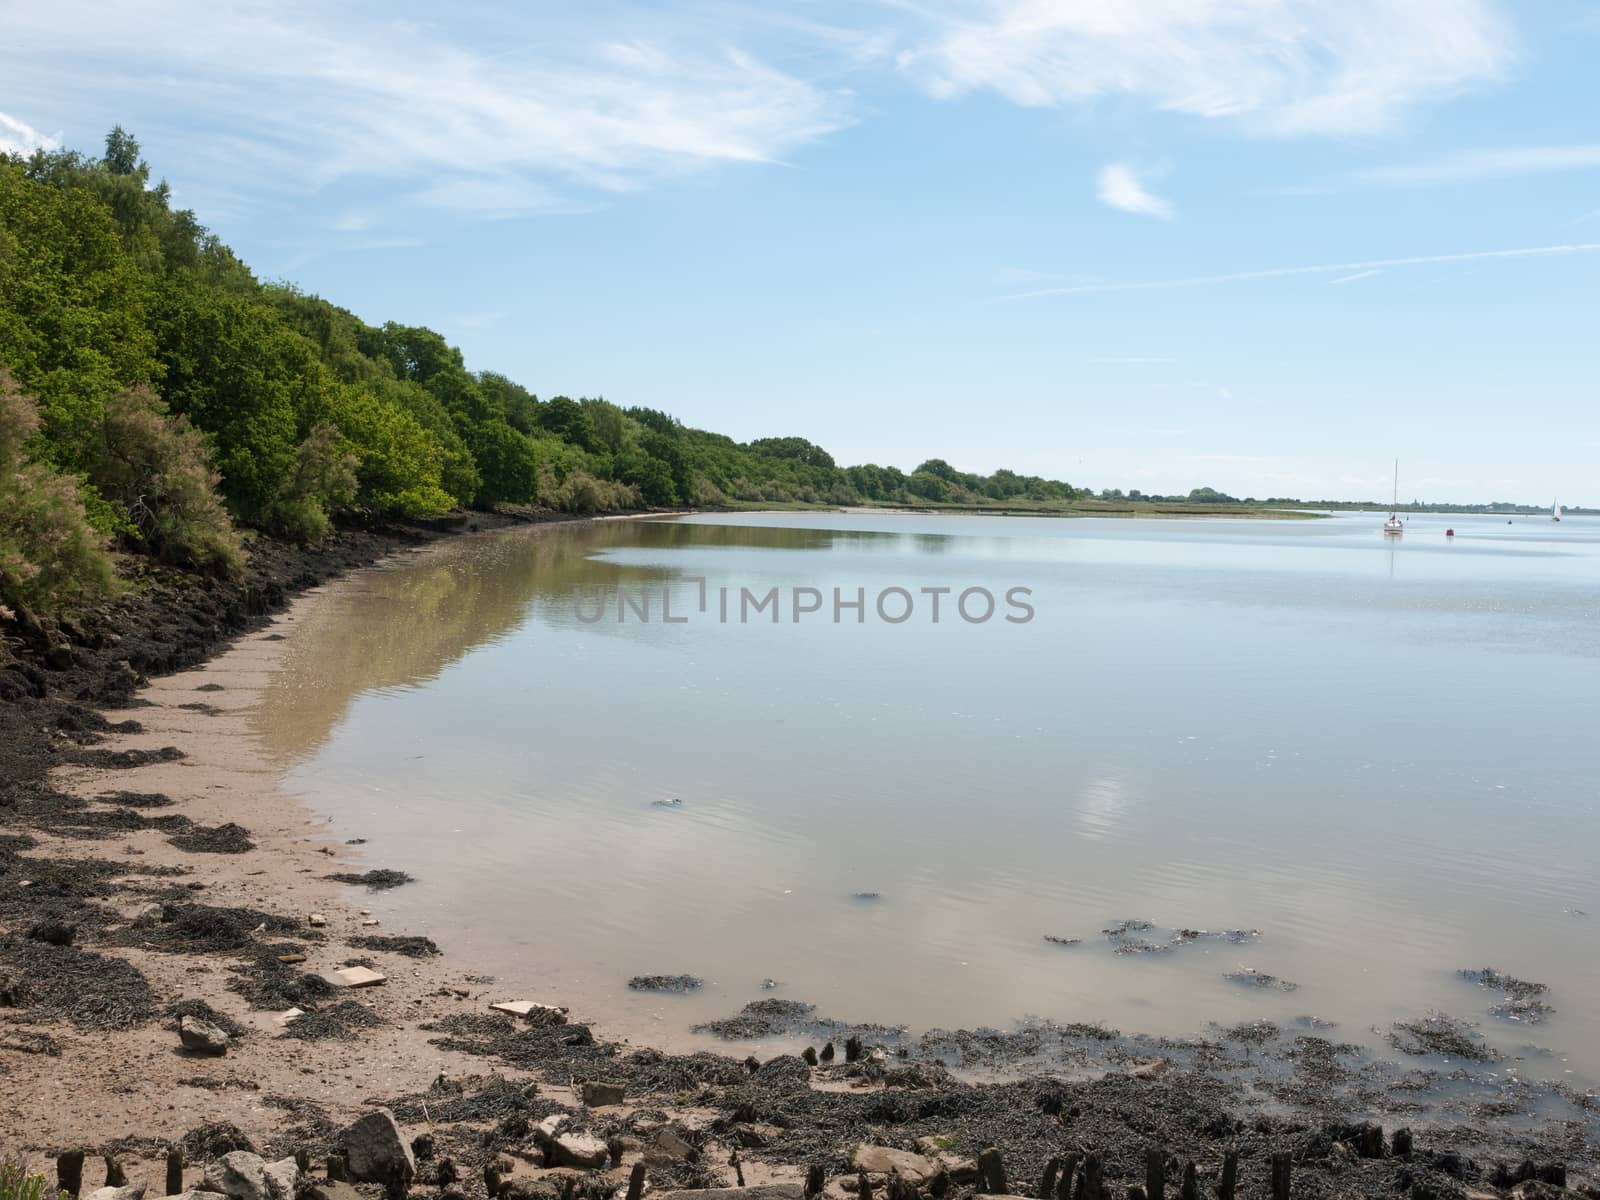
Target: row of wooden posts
1075	1176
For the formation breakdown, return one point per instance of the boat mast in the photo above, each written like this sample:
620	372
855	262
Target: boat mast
1394	503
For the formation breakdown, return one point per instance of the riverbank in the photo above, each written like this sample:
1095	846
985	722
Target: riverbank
155	830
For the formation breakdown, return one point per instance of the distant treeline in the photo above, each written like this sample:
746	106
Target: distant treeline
156	396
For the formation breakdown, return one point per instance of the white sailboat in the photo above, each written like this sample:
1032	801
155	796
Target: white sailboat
1394	527
1555	511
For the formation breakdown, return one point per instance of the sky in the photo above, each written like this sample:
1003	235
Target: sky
1267	246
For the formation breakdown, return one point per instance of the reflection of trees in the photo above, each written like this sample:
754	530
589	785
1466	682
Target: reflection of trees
402	624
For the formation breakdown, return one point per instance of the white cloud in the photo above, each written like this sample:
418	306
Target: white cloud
1279	66
1119	185
18	137
1353	269
305	96
1484	164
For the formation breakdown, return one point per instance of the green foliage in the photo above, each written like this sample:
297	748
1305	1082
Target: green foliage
17	1182
323	479
155	465
50	554
184	394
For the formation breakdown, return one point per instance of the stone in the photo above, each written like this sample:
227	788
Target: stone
132	1192
1153	1069
375	1151
239	1174
357	977
283	1177
580	1150
769	1191
202	1037
884	1160
532	1011
195	1194
666	1147
599	1095
552	1124
332	1190
290	1016
316	920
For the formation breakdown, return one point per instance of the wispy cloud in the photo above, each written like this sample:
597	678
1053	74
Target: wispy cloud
18	137
1119	186
1353	278
534	109
1279	66
1348	268
1494	163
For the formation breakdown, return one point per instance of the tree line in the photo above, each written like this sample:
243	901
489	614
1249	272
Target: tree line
157	397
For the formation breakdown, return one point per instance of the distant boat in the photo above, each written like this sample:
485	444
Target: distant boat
1555	511
1394	526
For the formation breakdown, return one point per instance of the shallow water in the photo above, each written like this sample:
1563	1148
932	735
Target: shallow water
1381	755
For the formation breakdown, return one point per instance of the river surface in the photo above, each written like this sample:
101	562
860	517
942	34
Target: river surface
1380	754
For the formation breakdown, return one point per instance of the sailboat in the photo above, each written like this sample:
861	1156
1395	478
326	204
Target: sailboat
1394	527
1555	511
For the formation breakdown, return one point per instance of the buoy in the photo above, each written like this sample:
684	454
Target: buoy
1449	533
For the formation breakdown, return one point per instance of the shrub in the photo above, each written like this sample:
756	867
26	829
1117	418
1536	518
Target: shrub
156	465
19	1183
322	479
49	552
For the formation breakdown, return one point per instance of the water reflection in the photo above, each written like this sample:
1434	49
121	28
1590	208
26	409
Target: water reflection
1376	754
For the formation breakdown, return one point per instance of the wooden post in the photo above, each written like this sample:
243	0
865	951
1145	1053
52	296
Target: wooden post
1047	1185
69	1172
863	1186
1230	1175
1155	1175
1093	1186
737	1164
810	1055
115	1175
852	1049
336	1171
1400	1144
1069	1170
1282	1174
1191	1183
174	1172
302	1160
827	1052
816	1180
991	1173
636	1182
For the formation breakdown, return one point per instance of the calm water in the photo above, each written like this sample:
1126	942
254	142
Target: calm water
1380	755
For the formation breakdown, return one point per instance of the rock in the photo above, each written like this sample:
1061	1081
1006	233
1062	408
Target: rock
316	920
195	1194
1154	1069
753	1136
239	1174
54	933
283	1177
580	1150
375	1151
357	977
290	1015
532	1011
133	1192
770	1191
202	1037
331	1190
883	1160
666	1147
598	1095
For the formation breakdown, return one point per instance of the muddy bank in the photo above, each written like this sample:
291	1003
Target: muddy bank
154	885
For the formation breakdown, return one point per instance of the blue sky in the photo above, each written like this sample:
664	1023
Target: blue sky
1265	245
